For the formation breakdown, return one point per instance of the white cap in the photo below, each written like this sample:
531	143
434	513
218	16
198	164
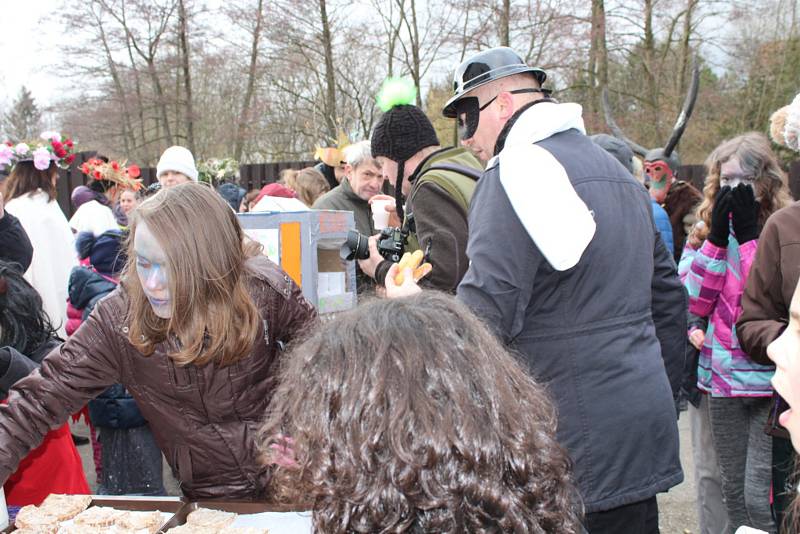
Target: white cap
179	159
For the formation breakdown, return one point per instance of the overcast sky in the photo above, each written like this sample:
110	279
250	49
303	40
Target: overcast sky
30	39
29	42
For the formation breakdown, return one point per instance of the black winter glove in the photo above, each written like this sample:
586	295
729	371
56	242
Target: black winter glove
718	234
745	213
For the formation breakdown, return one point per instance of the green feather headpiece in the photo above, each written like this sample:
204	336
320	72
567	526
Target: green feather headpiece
396	92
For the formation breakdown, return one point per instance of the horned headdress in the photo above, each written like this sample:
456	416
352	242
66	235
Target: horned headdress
667	154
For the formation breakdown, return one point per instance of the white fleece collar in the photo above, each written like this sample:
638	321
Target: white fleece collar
539	189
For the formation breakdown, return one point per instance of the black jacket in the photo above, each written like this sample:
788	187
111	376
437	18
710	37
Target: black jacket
115	407
86	288
15	365
606	337
14	243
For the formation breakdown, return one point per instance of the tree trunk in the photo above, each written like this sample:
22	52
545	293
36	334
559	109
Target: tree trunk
128	136
162	104
598	55
330	73
138	87
649	52
415	54
187	78
244	116
686	50
394	33
505	23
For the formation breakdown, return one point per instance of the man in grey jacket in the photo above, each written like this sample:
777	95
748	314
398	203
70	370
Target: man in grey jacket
568	269
362	181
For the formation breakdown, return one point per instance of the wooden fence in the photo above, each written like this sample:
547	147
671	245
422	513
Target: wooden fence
253	176
258	175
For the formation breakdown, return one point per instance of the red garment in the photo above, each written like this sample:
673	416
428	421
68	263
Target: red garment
275	190
54	467
74	318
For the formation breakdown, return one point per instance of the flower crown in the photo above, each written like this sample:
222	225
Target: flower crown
52	146
113	171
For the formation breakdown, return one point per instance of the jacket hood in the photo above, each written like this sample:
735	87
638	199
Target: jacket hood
85	285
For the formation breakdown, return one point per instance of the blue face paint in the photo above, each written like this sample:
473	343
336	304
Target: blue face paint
151	266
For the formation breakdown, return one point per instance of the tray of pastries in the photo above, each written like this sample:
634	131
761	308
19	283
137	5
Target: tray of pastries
93	514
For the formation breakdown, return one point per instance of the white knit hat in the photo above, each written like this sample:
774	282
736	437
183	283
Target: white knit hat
179	159
791	131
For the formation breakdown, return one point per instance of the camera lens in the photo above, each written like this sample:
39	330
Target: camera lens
356	247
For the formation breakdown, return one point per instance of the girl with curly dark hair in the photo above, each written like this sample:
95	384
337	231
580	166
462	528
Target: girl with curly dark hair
409	416
26	337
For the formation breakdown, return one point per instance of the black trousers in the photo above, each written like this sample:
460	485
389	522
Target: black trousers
637	518
782	489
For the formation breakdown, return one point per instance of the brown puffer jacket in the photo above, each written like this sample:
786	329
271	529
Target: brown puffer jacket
204	419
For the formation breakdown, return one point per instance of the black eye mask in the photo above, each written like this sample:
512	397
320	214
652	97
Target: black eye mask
468	111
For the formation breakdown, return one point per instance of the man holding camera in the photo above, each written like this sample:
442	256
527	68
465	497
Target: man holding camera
438	184
567	267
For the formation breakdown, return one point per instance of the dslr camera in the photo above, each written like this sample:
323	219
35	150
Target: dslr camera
391	244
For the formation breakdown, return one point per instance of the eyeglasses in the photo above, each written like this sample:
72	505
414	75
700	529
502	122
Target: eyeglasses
468	111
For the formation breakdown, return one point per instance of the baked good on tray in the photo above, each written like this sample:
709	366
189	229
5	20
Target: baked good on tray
206	521
65	507
98	517
204	517
138	521
33	519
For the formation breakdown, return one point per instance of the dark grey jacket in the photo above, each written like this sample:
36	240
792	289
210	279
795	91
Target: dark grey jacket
343	198
590	333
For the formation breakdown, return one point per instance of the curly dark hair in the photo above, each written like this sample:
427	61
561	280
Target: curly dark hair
409	416
24	324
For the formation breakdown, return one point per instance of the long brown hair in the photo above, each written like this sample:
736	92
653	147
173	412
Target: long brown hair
756	157
26	178
409	415
213	315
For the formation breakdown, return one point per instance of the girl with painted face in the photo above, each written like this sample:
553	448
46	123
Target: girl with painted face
193	333
744	186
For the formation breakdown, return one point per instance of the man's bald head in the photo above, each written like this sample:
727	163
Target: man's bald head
496	114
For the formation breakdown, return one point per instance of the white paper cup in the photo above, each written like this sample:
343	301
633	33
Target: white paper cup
380	217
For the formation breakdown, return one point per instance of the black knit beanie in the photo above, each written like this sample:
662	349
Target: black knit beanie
400	133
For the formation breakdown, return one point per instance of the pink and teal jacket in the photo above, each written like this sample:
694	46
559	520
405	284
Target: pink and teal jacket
715	278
